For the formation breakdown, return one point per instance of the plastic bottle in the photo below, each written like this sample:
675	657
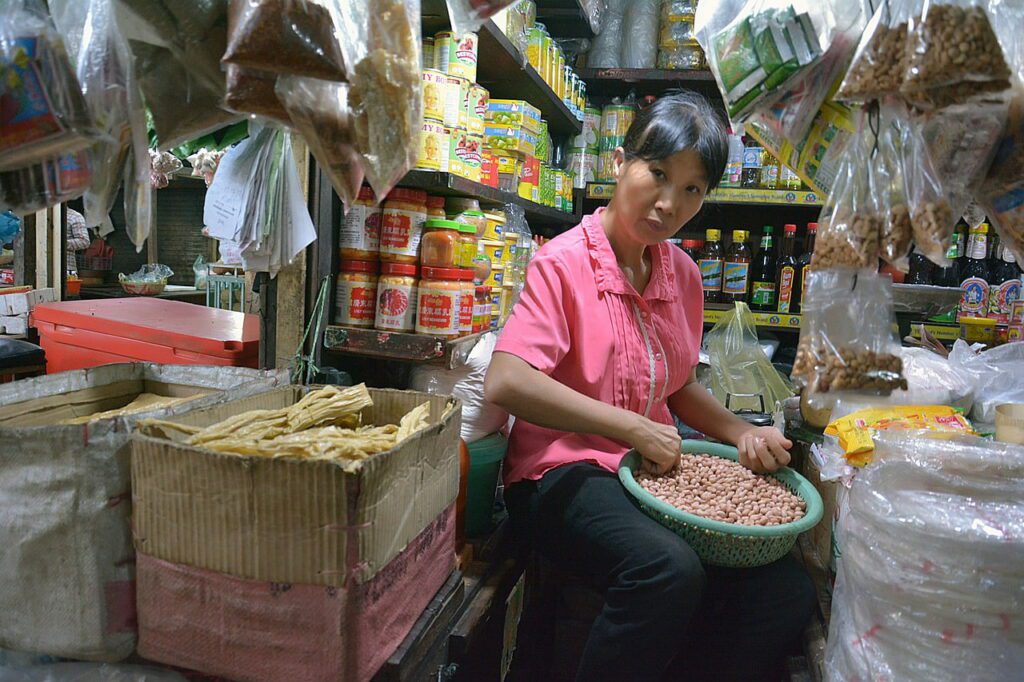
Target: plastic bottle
711	263
734	166
948	276
751	174
769	171
736	273
763	288
787	270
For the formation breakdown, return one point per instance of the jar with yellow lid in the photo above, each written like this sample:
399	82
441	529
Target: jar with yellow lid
405	211
467	245
397	294
441	247
435	208
439	302
359	233
356	299
466	303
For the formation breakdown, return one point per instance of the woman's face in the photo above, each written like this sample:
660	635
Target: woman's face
654	199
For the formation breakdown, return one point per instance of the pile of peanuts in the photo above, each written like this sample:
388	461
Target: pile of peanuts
824	368
843	241
933	223
722	490
881	67
955	44
897	233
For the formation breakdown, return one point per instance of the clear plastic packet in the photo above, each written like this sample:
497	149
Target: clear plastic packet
932	213
846	342
468	15
42	111
605	52
849	227
45	184
962	139
319	112
887	165
1001	192
252	92
879	65
284	36
639	48
148	273
382	51
138	201
952	42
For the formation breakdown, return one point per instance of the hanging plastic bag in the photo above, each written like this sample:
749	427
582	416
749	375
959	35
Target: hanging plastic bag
851	220
468	15
252	92
932	214
997	375
1002	190
742	376
382	51
319	112
846	342
961	141
45	184
606	50
138	202
284	36
887	166
880	62
42	111
639	47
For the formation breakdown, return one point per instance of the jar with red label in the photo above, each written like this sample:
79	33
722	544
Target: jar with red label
467	302
401	230
397	294
356	300
359	236
440	247
481	309
440	302
435	208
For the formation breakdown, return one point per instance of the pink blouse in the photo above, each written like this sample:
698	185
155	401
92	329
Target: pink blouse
580	321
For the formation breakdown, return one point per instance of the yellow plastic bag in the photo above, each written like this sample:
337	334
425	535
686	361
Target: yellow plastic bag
741	374
854	431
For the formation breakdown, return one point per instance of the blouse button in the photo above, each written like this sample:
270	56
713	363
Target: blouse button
658	357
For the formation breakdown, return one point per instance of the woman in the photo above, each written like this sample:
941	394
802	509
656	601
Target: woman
597	356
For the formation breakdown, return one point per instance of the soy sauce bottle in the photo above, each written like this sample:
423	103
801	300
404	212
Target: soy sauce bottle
736	275
763	294
787	272
711	262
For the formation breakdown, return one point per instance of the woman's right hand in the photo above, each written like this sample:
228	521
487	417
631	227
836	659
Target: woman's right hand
658	444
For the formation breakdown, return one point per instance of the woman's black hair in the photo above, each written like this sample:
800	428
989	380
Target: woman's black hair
676	122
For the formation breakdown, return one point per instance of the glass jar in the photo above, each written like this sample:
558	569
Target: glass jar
356	300
359	235
439	302
481	309
467	245
468	301
397	298
435	208
475	218
405	211
441	247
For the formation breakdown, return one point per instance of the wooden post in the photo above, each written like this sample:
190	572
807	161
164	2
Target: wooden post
326	214
25	252
289	289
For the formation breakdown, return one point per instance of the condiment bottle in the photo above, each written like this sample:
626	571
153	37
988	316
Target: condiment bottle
711	263
736	273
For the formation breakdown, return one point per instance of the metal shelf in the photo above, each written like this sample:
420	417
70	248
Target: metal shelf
713	314
418	348
753	197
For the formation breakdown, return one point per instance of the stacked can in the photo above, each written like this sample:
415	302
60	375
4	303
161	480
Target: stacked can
454	106
677	45
583	154
549	61
615	121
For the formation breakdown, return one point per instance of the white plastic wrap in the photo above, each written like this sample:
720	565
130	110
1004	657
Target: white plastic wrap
640	34
929	585
466	382
997	374
934	380
468	15
606	50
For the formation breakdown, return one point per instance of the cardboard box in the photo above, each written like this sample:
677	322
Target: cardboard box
289	520
515	113
16	324
66	564
258	631
20	302
822	534
503	139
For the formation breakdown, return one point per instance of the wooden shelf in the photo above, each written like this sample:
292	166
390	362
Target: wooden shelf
418	348
598	191
457	186
713	314
618	82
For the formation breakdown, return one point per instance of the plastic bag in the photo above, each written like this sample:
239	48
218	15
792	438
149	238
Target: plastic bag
997	375
51	182
200	271
252	92
89	672
606	50
204	163
138	202
468	15
846	343
961	141
879	65
851	220
742	377
932	378
595	11
1002	190
932	213
319	112
150	273
284	36
928	587
639	47
43	113
887	166
382	50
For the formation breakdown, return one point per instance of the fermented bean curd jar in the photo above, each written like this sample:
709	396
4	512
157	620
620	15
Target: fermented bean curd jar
356	300
397	295
359	235
481	309
467	245
440	302
440	247
405	211
435	208
467	302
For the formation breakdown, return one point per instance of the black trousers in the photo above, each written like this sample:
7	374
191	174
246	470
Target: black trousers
666	616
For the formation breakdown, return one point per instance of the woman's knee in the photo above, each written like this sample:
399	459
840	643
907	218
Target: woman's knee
674	574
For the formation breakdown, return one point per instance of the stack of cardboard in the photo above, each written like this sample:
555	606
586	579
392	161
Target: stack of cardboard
16	304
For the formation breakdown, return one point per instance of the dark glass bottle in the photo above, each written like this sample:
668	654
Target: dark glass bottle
974	277
949	276
787	271
803	262
692	248
922	270
763	289
712	262
736	274
1005	287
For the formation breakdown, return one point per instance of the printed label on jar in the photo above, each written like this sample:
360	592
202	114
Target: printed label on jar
396	307
974	297
438	312
401	232
466	312
356	304
360	229
786	278
1001	300
711	274
736	275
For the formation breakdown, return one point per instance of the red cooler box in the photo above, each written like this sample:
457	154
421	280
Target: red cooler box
79	334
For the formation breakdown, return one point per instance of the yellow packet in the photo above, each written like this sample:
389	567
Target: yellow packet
855	430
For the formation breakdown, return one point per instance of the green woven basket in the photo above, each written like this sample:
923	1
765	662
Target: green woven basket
727	544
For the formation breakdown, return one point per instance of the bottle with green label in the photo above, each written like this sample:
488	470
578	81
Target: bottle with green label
762	274
736	275
711	263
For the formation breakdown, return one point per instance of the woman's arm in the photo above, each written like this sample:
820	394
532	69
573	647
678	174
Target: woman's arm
761	449
533	396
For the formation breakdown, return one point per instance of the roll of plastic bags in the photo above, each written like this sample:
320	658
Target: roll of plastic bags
640	34
606	51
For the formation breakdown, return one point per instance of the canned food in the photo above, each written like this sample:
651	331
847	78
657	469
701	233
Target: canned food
434	146
616	119
605	171
456	56
495	226
442	50
494	250
611	142
455	162
583	166
589	137
428	53
479	98
434	86
534	47
469	148
456	96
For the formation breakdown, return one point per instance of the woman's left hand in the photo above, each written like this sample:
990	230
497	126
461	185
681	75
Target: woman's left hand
763	449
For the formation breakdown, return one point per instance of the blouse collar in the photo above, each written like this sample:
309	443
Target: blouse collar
609	275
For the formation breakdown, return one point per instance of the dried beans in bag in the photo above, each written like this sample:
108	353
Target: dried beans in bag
880	62
252	92
896	229
1002	191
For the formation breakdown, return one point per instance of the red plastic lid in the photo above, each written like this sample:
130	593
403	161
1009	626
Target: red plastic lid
451	274
789	227
413	196
482	289
692	243
399	269
435	202
159	322
360	266
812	227
366	193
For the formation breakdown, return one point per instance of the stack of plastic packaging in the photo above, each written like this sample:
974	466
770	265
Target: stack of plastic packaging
929	585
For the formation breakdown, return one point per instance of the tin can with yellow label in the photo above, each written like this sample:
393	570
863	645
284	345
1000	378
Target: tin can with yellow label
434	146
479	98
456	95
435	85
